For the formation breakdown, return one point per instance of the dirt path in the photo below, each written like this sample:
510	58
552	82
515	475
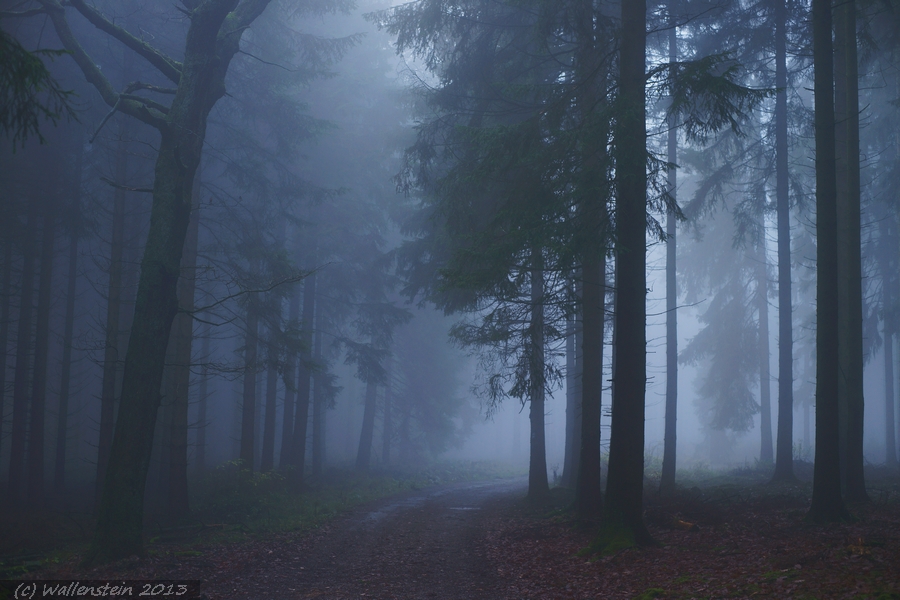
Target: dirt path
427	544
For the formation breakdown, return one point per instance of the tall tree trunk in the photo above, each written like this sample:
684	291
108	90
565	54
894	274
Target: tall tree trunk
248	409
387	429
5	301
203	400
42	349
538	486
827	504
183	335
667	476
113	316
267	459
588	490
890	440
301	420
888	279
625	481
850	337
212	40
784	456
318	401
762	308
23	359
364	451
290	389
62	422
573	393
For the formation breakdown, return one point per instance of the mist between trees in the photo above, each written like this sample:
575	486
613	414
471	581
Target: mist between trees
311	235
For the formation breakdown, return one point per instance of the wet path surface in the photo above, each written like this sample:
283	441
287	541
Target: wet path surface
427	544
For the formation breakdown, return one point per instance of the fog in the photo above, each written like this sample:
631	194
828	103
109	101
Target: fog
382	224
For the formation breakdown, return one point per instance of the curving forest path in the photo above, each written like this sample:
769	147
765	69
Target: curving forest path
424	544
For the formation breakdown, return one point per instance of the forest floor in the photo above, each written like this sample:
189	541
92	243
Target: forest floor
725	536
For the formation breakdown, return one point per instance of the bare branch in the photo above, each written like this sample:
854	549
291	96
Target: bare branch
147	102
22	13
105	119
137	85
119	186
92	72
167	66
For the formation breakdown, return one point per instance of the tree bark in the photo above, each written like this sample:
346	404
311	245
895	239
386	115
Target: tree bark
183	334
301	421
23	360
318	402
667	475
388	428
784	456
538	486
203	401
5	302
573	393
267	459
364	451
290	389
827	504
625	481
588	491
850	319
889	325
248	408
762	308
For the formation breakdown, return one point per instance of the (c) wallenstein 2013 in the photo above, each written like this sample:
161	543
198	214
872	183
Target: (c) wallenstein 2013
184	590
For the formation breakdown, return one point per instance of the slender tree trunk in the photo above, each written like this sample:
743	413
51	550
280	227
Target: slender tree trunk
113	315
23	360
625	482
42	350
203	401
387	429
827	504
588	491
62	423
888	278
248	411
890	440
301	421
765	396
318	401
183	335
538	486
667	476
267	460
850	336
364	451
290	389
784	457
5	302
573	393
